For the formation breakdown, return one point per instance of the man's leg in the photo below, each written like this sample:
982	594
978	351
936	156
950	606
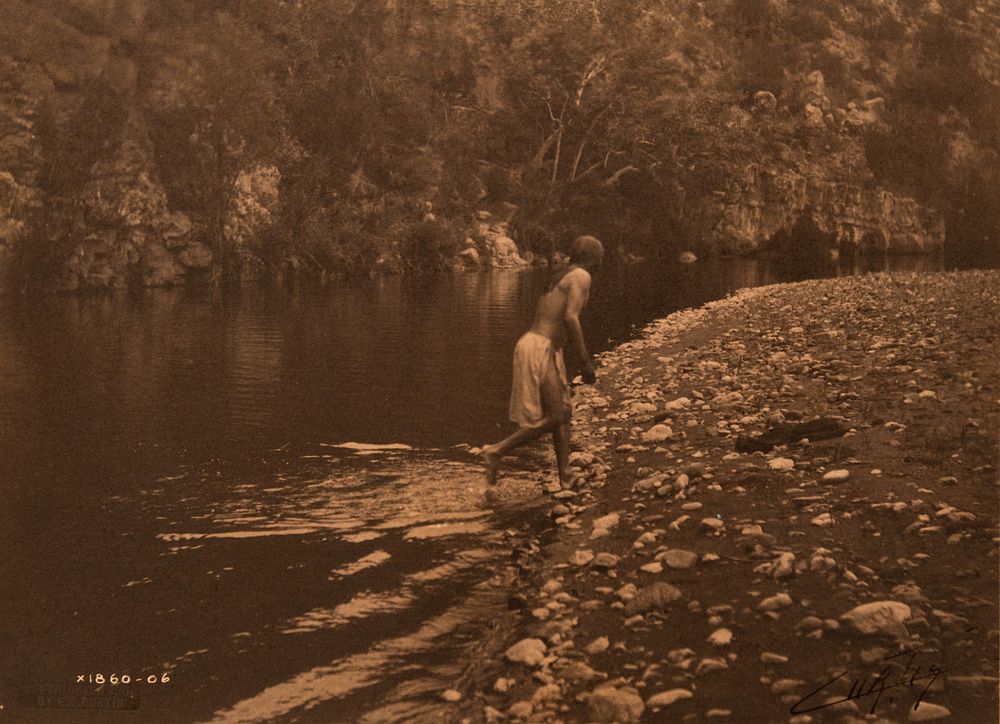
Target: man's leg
554	410
555	405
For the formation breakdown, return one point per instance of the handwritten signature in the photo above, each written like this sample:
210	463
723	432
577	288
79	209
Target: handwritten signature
910	676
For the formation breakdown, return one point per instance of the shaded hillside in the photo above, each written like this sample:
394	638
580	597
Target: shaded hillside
156	142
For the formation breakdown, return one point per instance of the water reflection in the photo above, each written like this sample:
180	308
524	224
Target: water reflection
173	457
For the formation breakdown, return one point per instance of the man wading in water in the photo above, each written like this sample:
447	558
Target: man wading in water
540	399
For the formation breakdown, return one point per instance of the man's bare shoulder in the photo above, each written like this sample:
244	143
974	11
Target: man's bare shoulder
577	278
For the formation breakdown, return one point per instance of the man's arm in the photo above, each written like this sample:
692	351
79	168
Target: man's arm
576	300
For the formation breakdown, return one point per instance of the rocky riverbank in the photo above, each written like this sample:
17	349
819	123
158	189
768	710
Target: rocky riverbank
787	488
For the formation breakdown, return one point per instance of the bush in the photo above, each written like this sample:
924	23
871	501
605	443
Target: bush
808	25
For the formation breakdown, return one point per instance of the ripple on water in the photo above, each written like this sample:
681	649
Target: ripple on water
375	611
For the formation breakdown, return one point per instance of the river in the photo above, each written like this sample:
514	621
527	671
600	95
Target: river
176	496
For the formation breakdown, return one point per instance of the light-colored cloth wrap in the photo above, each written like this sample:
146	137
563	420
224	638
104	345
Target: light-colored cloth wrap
533	356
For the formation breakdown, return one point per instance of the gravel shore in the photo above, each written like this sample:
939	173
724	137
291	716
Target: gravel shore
791	515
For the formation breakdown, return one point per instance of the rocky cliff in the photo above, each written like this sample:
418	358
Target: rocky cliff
151	144
91	205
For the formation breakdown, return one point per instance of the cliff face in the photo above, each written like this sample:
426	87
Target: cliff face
105	222
149	144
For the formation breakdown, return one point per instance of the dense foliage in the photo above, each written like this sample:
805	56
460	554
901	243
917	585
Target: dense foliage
390	122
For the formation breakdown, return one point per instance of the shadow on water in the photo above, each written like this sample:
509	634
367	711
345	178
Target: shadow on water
173	497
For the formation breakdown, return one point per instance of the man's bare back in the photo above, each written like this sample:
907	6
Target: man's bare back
558	313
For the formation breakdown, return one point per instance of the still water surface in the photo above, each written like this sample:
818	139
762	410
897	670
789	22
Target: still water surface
175	496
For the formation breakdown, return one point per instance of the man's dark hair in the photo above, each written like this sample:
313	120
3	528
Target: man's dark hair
585	249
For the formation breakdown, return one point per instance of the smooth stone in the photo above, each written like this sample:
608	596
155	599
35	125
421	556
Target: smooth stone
721	637
597	646
657	433
609	704
654	596
775	602
712	524
769	658
836	476
678	558
781	464
786	686
666	698
822	520
529	652
608	521
879	617
605	560
928	712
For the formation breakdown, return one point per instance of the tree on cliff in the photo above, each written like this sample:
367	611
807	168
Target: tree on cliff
227	118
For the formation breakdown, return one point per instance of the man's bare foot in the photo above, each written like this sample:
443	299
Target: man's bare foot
570	481
492	460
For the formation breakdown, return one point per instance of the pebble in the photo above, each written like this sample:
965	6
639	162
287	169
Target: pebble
775	602
769	658
529	652
928	712
607	522
581	557
707	666
610	704
521	710
678	558
780	464
654	596
721	637
836	476
879	617
605	560
451	695
693	505
597	646
657	433
666	698
822	520
712	524
786	686
654	567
